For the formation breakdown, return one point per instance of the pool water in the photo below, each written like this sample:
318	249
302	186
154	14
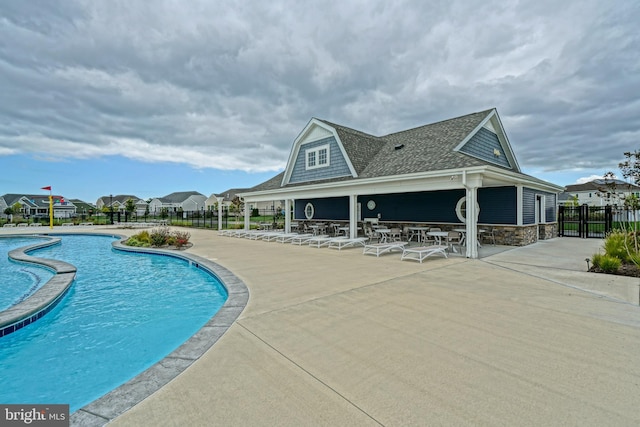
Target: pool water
18	281
125	312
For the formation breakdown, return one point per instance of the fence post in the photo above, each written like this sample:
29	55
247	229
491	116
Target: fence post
584	221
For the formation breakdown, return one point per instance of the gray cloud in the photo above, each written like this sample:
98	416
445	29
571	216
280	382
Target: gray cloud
230	84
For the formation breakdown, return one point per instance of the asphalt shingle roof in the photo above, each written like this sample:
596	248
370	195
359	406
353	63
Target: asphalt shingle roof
422	149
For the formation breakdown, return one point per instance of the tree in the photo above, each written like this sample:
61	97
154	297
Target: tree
130	206
631	166
17	208
9	212
236	206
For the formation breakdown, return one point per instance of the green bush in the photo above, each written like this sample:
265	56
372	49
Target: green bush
610	264
159	236
596	259
133	241
615	246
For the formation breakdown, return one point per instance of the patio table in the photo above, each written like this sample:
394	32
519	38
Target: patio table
417	232
463	232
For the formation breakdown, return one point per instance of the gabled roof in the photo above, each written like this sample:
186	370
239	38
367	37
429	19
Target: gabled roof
601	184
120	199
33	200
434	147
180	196
427	148
231	193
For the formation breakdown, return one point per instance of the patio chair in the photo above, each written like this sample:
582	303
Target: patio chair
427	239
395	234
454	238
368	232
487	234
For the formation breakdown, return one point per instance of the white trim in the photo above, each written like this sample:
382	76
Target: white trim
494	121
488	176
463	218
301	139
316	151
519	205
307	215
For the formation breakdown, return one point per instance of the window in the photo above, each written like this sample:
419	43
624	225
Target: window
317	157
309	211
461	209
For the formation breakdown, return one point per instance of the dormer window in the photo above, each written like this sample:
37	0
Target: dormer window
317	157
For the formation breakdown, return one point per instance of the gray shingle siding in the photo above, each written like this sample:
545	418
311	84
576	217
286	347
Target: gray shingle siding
551	204
528	206
497	205
483	144
337	164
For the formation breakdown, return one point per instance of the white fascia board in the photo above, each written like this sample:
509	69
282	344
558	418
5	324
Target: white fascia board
502	137
487	176
423	181
302	139
513	178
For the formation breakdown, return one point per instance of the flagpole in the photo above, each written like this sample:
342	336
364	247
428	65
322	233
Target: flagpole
50	209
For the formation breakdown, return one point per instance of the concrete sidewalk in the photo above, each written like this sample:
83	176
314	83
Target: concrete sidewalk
337	338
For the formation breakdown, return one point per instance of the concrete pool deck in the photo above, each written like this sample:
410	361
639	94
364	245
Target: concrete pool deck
337	338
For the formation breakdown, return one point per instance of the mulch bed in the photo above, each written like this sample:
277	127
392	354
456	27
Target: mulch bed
630	270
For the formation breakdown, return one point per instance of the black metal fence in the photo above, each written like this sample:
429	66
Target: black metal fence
199	219
585	221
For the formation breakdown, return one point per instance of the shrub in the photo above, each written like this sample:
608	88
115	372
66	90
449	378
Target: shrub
159	236
143	236
596	259
610	264
181	238
615	245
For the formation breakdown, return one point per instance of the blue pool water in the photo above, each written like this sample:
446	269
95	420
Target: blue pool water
125	312
18	281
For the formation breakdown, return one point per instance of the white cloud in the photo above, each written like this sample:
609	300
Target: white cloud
588	179
230	85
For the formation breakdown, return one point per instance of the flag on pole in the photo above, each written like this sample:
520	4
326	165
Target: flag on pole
46	188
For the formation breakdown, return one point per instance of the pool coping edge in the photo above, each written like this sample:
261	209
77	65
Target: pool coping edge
119	400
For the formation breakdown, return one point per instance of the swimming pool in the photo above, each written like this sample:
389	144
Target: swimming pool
19	280
124	312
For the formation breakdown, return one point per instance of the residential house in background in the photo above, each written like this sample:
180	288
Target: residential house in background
185	201
37	205
83	209
460	172
600	192
226	198
119	203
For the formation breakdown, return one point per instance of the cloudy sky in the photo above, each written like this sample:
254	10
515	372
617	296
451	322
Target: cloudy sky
151	97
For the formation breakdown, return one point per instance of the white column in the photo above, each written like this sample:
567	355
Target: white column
519	205
472	222
287	215
247	217
220	213
353	218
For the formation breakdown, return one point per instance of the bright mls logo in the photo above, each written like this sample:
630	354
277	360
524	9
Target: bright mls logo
34	415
